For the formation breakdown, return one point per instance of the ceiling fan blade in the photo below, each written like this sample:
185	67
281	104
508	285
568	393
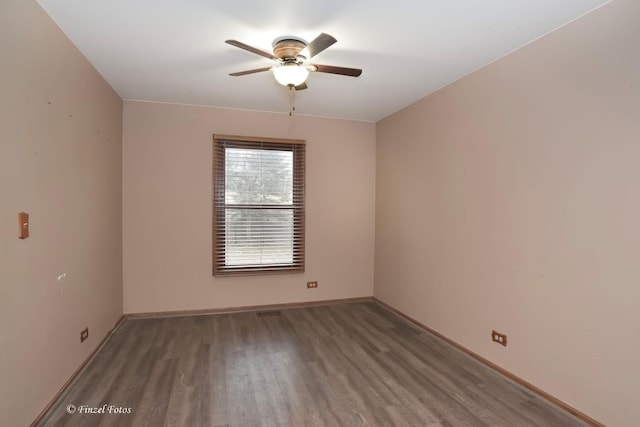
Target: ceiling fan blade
255	70
344	71
302	86
251	49
319	44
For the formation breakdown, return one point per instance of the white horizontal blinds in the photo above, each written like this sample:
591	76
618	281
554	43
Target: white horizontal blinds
258	205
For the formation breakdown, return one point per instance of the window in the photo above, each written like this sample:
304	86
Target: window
258	205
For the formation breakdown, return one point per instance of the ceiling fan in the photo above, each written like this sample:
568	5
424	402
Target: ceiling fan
292	56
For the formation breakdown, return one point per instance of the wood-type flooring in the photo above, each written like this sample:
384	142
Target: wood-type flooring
351	364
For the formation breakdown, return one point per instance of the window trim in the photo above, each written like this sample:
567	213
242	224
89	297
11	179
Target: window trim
298	147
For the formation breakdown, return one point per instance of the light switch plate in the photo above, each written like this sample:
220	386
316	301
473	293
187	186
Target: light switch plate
23	225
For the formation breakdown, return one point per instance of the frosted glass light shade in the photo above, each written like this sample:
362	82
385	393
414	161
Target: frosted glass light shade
290	74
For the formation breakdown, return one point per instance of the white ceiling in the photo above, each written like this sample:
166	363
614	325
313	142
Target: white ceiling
174	51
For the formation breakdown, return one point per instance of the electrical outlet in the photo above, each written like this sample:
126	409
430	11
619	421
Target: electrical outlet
84	334
311	285
499	338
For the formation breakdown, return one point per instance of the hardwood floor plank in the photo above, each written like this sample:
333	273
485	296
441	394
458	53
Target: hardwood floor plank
353	364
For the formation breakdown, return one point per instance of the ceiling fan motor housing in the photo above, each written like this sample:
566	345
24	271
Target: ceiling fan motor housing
288	48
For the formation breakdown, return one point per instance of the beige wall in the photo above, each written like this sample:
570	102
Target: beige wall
60	161
167	208
510	200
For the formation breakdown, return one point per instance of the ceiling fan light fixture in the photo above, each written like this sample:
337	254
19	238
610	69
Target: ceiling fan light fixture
290	74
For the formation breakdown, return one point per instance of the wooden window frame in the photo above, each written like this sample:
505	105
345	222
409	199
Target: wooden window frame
298	147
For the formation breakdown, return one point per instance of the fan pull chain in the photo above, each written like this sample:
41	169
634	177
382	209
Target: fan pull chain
292	107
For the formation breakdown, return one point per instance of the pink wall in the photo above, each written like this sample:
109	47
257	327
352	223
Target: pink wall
505	201
167	198
509	200
60	161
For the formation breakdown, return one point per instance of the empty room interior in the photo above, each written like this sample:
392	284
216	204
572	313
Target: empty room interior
320	213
